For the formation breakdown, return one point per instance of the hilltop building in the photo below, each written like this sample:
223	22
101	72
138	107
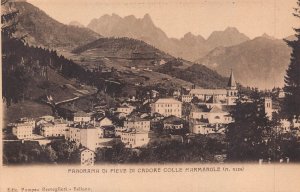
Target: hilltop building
167	107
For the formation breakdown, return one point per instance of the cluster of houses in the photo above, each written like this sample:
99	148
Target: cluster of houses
210	115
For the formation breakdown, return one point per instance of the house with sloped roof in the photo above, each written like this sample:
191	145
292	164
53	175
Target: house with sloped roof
104	121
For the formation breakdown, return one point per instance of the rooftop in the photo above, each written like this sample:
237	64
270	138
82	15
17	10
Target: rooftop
208	92
216	109
167	101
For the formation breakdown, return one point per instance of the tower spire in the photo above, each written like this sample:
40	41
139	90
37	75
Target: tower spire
231	83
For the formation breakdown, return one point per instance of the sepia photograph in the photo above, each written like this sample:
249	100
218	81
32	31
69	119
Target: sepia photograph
156	87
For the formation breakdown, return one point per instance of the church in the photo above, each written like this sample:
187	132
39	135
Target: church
226	96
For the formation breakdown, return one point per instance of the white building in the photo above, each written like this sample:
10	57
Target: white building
199	127
132	138
85	135
81	116
22	130
167	107
29	121
57	128
137	123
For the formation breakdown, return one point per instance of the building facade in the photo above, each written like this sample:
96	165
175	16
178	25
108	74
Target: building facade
57	128
167	107
132	138
22	130
137	123
81	116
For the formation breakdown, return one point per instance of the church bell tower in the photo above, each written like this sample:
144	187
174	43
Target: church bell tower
232	93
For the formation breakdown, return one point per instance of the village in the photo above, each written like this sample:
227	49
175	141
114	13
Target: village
199	112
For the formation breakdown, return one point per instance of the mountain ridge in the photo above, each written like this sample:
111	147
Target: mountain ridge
43	30
189	47
260	62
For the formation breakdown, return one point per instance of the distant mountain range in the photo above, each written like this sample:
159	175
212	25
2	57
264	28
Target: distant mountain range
189	47
43	30
260	62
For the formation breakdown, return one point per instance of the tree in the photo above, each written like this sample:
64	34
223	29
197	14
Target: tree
64	150
292	78
50	154
247	135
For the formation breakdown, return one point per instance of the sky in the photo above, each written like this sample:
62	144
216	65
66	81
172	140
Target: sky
177	17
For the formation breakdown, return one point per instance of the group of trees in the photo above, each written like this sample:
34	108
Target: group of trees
58	151
246	136
292	79
253	136
200	149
